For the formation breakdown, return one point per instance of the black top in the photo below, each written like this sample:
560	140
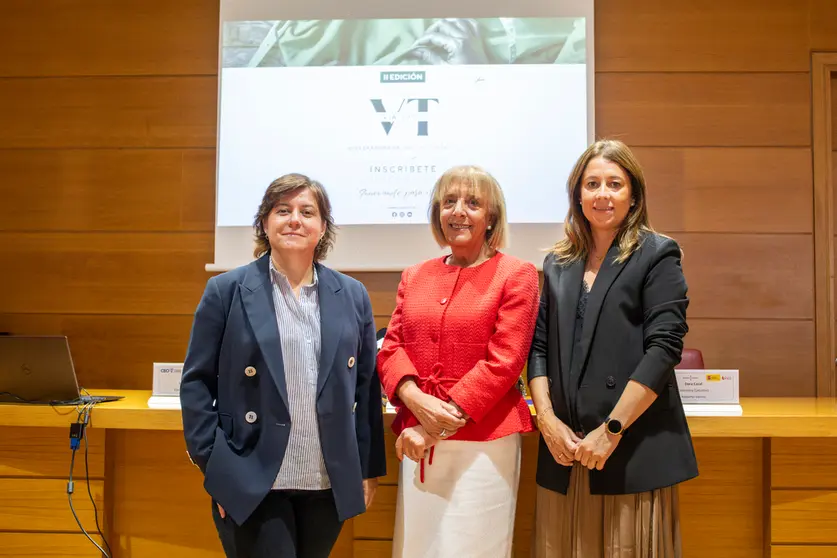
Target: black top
575	358
629	326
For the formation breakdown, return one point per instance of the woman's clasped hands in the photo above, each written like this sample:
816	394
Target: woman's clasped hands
566	446
437	420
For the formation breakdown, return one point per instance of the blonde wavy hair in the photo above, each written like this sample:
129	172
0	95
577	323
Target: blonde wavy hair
485	187
577	243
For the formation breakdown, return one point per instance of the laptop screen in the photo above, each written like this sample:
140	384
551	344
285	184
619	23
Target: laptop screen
36	369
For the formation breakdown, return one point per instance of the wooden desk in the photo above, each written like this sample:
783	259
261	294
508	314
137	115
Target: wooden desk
768	483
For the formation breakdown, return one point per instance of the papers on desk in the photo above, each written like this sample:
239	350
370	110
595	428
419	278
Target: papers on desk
709	392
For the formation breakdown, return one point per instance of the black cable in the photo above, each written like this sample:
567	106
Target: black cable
90	493
83	415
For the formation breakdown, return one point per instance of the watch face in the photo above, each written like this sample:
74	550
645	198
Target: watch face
614	426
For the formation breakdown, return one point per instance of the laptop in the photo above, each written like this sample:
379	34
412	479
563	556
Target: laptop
39	369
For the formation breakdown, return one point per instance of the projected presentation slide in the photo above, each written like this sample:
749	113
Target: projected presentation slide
378	109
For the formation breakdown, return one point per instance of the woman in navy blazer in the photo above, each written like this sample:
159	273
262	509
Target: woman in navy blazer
281	400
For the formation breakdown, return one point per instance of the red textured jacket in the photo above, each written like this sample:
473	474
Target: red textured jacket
464	335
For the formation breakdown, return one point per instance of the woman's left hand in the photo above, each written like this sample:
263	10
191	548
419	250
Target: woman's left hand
370	486
596	447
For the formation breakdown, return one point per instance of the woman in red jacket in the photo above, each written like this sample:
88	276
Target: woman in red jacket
450	363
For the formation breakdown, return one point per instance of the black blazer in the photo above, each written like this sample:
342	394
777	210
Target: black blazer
234	372
633	329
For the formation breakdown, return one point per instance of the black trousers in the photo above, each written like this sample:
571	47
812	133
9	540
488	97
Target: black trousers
287	524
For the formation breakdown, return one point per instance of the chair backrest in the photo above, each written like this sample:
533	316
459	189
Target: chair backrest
692	359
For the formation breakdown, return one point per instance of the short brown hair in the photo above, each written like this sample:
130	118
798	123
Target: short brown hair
578	239
285	185
488	188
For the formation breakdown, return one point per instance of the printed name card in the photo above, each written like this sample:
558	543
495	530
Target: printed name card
709	392
165	391
167	379
708	386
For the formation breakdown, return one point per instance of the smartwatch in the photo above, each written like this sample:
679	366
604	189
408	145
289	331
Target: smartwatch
613	426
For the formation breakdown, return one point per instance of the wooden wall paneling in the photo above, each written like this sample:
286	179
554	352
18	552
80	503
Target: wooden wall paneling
378	523
372	549
748	276
834	174
99	37
526	494
823	25
782	551
109	189
393	465
830	82
705	36
40	545
775	357
804	516
113	351
153	273
95	112
823	67
382	321
34	504
45	453
705	189
345	545
722	507
791	467
382	288
729	276
160	505
704	109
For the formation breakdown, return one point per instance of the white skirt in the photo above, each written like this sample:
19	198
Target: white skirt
465	506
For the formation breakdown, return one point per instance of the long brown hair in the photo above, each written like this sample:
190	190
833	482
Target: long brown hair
285	185
578	238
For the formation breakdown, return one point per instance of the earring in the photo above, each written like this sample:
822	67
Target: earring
489	227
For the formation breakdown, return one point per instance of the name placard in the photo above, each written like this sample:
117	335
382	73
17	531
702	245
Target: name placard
713	387
165	391
167	378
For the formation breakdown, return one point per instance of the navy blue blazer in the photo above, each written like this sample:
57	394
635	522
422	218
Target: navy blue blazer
234	372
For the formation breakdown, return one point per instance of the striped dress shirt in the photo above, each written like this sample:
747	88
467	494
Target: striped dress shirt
303	467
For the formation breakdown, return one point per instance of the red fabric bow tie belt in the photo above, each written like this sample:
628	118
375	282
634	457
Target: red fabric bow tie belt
436	385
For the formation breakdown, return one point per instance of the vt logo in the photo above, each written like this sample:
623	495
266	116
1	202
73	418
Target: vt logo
422	107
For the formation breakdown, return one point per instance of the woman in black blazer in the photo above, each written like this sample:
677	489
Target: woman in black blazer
615	442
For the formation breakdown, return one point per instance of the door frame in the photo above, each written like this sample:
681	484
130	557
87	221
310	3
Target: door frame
823	69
